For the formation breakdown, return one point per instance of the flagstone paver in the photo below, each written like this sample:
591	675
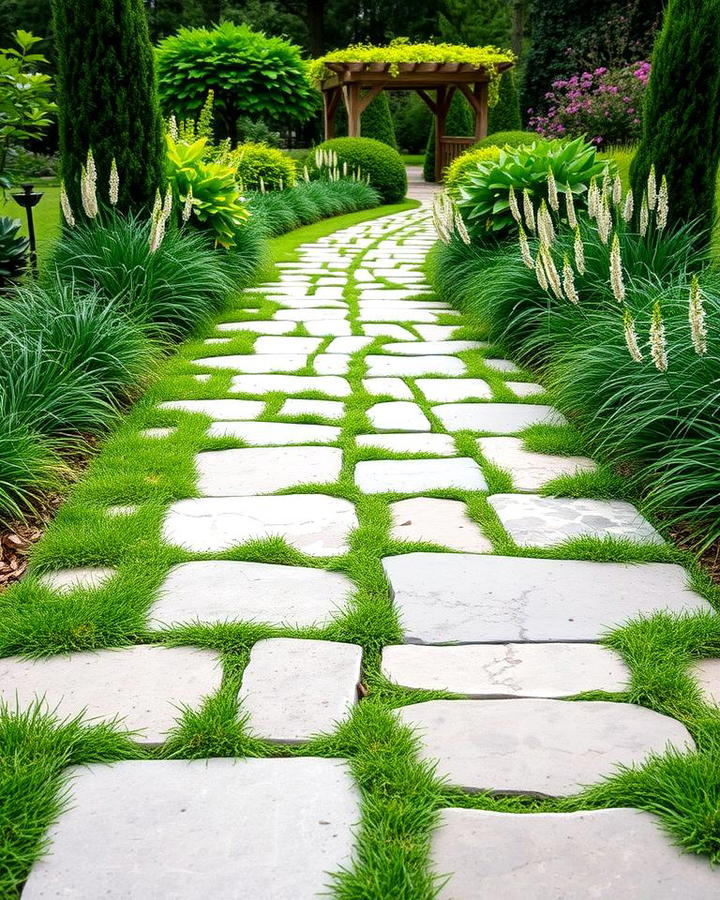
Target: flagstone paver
392	387
398	415
502	365
309	314
332	363
264	470
414	365
84	577
260	326
490	671
534	521
268	433
314	523
707	674
479	599
530	471
450	389
274	345
432	348
437	521
332	385
200	828
142	686
550	748
348	344
434	444
333	328
525	388
496	418
397	332
214	591
410	476
436	332
262	363
219	409
294	689
603	853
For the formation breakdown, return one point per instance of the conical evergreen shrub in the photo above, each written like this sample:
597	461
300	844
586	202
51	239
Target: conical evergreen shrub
107	97
681	118
376	122
505	115
459	123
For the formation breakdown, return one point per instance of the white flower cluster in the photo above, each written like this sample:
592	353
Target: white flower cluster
328	164
447	219
159	218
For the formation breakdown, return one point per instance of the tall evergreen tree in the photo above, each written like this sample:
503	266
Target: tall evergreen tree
681	121
505	115
459	123
107	96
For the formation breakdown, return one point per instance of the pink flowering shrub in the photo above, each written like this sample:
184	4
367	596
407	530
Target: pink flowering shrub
605	105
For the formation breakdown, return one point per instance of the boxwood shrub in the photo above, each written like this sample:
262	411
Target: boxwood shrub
259	161
381	163
510	139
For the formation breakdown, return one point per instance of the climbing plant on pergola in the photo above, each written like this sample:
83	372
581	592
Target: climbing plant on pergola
434	71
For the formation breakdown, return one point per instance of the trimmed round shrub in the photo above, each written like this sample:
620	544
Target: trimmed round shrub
510	139
254	162
382	164
466	162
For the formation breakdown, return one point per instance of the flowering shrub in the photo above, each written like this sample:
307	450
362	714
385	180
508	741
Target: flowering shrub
605	105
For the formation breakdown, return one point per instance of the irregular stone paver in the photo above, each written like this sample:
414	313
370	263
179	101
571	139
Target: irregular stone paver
490	671
707	674
435	444
142	686
331	385
330	409
502	365
294	689
391	387
410	476
496	418
530	471
332	364
260	326
248	362
449	389
400	415
525	388
548	748
388	330
444	597
263	470
395	315
219	409
432	348
309	314
348	344
200	828
415	365
88	578
260	433
215	591
274	345
334	328
437	521
603	853
535	521
436	332
314	523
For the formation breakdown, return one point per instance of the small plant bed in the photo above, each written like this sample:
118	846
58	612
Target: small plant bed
290	589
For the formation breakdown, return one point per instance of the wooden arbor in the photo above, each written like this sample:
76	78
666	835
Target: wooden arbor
358	83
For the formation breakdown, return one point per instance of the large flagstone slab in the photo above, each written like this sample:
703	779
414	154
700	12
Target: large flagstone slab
143	686
603	853
313	523
380	329
413	366
546	748
525	388
437	521
433	348
530	471
219	409
447	597
185	829
436	332
331	385
277	433
263	470
260	326
213	591
496	418
348	344
491	671
331	363
391	387
398	415
444	390
434	444
251	363
534	521
387	315
502	365
281	345
331	328
310	314
294	689
410	476
707	674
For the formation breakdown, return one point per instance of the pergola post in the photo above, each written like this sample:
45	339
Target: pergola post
351	96
480	92
331	99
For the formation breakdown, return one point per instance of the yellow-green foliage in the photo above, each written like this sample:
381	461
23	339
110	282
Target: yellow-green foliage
401	51
466	161
254	162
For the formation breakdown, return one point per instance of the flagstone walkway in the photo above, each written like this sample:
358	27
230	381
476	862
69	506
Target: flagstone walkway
355	326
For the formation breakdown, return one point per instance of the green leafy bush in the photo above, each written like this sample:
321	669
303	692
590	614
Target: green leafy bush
252	76
380	163
465	163
211	186
257	164
13	251
510	139
483	192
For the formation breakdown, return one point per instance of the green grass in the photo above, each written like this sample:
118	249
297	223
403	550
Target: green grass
401	795
413	159
46	217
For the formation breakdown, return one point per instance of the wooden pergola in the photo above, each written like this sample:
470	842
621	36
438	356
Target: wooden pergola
358	83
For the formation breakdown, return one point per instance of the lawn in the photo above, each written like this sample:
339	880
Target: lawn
46	215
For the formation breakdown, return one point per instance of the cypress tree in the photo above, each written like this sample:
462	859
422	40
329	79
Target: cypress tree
681	121
107	97
505	115
376	122
459	123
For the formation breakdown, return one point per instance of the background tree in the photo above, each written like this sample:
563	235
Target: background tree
107	96
505	115
681	122
475	22
459	123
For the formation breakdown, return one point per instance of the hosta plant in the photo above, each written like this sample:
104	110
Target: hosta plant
484	192
207	191
13	251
